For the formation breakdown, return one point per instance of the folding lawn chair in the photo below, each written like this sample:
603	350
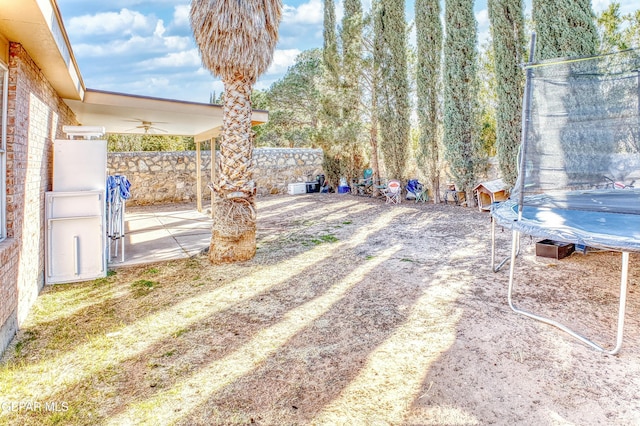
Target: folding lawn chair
364	186
392	192
416	191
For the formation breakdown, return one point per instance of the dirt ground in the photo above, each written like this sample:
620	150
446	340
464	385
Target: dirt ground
354	312
474	360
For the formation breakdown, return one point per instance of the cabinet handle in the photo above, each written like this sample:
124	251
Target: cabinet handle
76	254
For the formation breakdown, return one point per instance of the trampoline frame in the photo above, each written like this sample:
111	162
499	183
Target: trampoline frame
495	268
621	309
515	242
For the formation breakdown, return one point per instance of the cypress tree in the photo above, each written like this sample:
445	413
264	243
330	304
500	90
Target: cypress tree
564	28
507	31
350	87
370	83
429	49
390	55
330	46
460	95
339	124
329	114
351	37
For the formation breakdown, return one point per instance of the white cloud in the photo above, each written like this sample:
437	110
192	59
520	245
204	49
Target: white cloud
307	13
626	6
483	18
178	43
599	4
282	59
123	22
188	58
141	46
181	15
159	31
339	11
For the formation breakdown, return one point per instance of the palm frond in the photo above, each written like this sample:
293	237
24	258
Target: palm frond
236	38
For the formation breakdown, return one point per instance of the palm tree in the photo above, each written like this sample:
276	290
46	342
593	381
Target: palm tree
236	39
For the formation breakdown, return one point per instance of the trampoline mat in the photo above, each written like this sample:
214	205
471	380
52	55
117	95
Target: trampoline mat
581	217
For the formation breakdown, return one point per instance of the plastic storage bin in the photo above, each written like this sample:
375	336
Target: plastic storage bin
297	188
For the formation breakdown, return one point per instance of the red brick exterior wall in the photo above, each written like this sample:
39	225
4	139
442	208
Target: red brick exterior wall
35	116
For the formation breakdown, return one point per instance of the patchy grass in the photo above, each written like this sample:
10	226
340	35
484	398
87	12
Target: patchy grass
327	238
143	287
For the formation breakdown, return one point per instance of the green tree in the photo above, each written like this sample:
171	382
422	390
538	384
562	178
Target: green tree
460	95
148	142
294	103
351	87
618	32
329	113
351	37
507	32
564	28
487	98
259	99
429	52
339	130
369	101
216	98
236	40
330	38
390	55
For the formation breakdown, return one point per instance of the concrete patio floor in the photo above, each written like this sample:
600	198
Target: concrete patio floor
161	232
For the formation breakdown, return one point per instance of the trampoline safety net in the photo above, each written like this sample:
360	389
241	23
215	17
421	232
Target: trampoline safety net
582	134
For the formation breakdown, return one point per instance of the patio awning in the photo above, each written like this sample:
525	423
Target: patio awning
124	113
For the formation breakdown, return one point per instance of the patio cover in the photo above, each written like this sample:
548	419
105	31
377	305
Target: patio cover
121	113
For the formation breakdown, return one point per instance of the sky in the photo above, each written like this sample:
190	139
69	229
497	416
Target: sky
146	48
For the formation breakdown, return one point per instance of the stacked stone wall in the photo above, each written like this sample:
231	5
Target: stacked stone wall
161	177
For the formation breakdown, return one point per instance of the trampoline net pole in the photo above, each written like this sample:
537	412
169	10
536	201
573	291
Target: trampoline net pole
526	119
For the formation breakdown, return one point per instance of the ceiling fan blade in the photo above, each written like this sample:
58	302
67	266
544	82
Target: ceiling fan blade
140	120
147	127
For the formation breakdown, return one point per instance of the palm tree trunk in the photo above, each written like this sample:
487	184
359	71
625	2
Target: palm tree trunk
233	234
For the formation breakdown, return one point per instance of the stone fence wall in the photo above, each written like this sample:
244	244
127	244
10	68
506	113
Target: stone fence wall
161	177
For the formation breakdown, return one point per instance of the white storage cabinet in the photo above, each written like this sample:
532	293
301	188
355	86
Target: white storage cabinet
75	238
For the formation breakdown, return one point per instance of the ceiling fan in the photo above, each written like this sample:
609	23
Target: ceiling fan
148	126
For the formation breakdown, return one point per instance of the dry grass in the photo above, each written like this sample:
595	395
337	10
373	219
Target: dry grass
352	312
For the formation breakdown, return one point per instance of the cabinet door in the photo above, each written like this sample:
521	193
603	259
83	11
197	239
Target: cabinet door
75	249
79	165
74	204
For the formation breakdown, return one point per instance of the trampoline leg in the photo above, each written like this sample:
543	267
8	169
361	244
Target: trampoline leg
621	310
493	249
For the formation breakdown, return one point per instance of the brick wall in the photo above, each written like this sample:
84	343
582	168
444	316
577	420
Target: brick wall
35	118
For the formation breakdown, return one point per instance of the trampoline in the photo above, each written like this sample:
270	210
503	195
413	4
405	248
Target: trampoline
580	143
